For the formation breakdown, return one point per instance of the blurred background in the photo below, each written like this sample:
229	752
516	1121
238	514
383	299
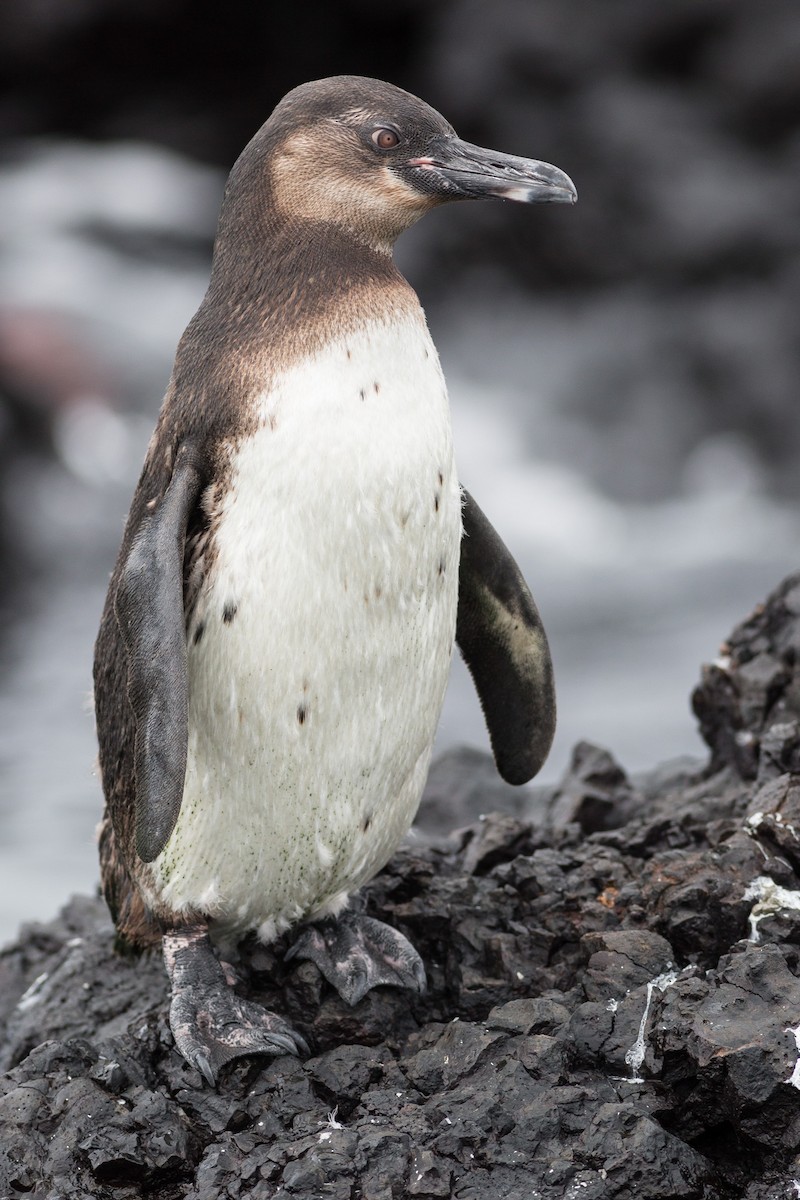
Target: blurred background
624	375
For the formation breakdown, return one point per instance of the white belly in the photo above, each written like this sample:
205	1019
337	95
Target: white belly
328	623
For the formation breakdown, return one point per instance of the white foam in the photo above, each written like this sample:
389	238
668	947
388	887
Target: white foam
794	1078
33	994
770	898
634	1057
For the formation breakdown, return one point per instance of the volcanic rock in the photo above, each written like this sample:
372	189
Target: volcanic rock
613	1007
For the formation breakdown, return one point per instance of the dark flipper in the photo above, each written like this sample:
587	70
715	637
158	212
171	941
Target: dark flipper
210	1023
149	610
357	953
500	634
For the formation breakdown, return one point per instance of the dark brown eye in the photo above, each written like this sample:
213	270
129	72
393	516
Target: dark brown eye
385	139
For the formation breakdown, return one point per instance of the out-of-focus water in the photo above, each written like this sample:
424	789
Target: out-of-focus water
634	596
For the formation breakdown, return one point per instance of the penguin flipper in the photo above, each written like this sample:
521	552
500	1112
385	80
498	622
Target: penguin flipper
501	638
149	610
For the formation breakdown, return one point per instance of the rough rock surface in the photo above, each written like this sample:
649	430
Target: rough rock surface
613	1009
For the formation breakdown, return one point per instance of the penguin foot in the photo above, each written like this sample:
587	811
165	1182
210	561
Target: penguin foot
356	953
210	1023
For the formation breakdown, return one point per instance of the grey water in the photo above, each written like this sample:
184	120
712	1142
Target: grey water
637	586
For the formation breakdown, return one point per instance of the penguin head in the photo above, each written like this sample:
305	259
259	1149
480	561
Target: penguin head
369	157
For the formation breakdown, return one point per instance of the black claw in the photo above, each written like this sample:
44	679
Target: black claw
353	993
202	1064
290	1045
303	1050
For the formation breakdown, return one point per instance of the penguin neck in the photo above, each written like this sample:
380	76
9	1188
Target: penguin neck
278	275
281	291
276	250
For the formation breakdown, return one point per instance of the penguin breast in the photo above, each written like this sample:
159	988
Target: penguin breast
327	620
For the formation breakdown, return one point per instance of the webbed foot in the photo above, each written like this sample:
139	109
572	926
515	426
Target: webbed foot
210	1023
356	953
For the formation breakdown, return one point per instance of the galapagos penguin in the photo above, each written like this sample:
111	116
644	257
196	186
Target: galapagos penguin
298	561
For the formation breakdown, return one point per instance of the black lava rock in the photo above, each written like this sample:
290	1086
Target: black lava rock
613	1007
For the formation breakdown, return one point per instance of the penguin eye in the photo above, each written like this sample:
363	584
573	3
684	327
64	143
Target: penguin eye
385	139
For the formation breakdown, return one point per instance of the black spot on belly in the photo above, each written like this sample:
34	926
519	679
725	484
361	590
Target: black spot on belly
199	630
302	712
377	387
436	499
366	824
441	566
441	479
229	612
363	394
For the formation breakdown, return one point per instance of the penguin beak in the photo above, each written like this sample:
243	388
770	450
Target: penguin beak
457	170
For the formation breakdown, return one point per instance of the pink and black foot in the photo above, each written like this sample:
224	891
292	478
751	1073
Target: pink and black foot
356	953
210	1023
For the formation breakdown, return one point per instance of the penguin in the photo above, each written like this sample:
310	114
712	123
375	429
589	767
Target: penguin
298	562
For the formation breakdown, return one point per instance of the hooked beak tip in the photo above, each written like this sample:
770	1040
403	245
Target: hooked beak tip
539	192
